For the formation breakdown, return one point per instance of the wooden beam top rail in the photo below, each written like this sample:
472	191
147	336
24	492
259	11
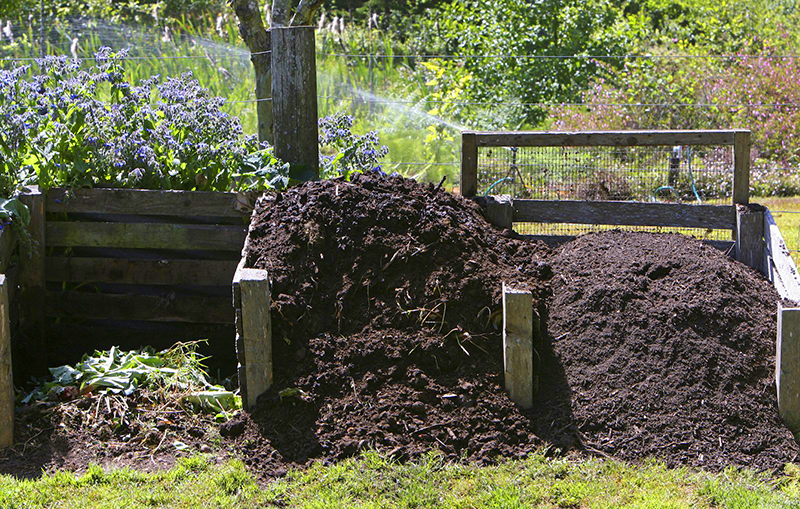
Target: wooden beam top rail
603	138
147	202
625	213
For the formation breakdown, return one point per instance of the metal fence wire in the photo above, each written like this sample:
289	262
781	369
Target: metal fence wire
677	174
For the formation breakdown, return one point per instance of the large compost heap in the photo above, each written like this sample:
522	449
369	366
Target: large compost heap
386	313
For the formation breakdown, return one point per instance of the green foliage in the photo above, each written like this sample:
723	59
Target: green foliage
70	127
476	28
173	374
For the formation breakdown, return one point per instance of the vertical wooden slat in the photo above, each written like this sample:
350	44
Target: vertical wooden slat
294	100
787	366
749	237
518	354
469	164
253	333
32	285
741	167
6	378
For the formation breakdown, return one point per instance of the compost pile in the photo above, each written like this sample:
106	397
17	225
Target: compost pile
668	348
386	313
385	322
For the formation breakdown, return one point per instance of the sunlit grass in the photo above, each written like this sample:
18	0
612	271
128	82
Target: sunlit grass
374	481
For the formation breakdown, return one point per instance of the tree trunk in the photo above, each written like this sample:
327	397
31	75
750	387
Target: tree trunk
259	42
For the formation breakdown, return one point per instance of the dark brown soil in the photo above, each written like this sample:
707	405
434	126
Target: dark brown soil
668	348
385	252
387	297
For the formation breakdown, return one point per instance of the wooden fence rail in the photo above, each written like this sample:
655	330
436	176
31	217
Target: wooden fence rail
471	141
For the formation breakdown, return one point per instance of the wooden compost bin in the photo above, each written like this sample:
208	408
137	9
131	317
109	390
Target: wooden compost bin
116	267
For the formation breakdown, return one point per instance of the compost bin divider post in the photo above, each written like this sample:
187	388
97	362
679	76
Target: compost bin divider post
787	366
500	210
518	349
294	100
469	164
741	167
251	299
6	378
749	237
32	285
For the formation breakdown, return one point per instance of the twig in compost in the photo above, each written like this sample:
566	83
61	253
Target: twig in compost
441	183
432	426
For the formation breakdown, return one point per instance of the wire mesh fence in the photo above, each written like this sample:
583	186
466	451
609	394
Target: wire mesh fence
694	174
678	174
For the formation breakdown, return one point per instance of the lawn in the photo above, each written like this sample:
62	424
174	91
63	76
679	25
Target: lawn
786	212
374	481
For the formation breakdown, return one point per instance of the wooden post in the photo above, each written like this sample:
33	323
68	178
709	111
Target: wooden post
32	287
500	210
251	299
294	100
469	164
749	236
6	378
741	167
518	354
787	366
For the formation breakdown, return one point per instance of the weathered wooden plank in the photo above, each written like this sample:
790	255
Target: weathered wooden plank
175	308
140	272
784	272
750	237
294	100
254	333
787	366
518	352
469	164
741	167
601	138
8	243
146	235
500	210
148	202
32	285
725	246
6	378
625	213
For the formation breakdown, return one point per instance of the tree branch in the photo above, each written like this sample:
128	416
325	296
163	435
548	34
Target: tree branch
258	41
304	14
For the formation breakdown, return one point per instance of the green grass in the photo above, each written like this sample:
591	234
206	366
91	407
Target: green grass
786	212
375	482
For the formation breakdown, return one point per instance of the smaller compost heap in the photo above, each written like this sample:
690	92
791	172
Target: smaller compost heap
386	335
668	347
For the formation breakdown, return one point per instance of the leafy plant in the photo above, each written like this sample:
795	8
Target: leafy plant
71	127
347	152
175	376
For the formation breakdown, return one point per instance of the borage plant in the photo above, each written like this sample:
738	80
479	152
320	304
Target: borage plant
62	125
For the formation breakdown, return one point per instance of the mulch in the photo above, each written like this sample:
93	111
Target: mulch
386	333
